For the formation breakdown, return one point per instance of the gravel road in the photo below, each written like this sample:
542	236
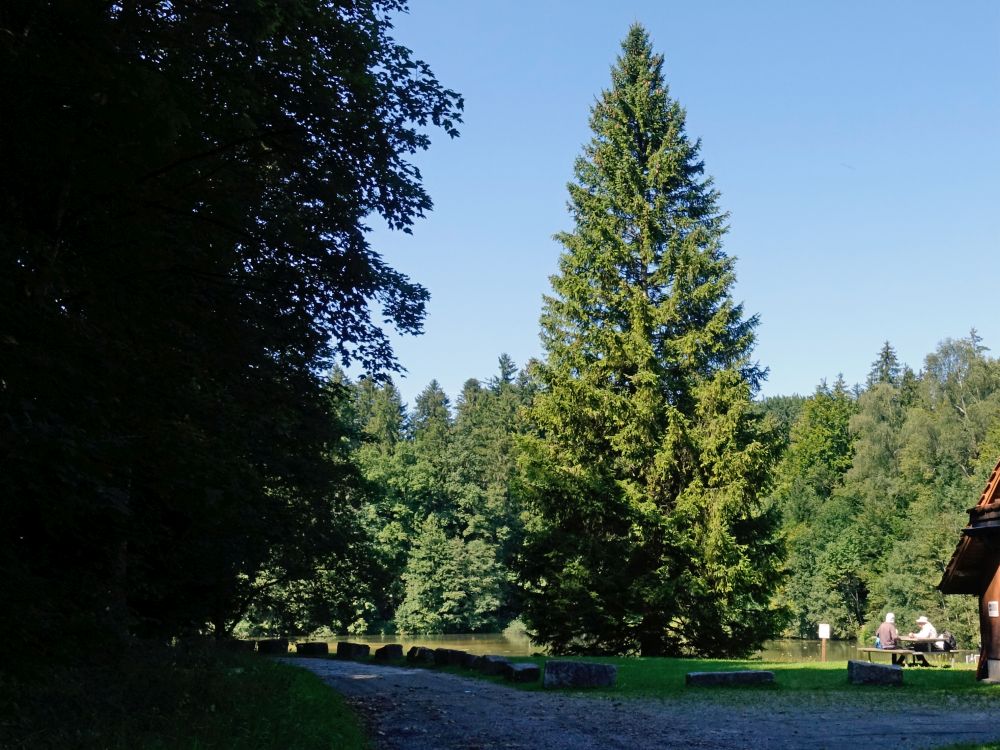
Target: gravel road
418	709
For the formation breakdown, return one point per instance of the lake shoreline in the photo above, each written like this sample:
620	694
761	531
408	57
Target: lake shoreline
516	643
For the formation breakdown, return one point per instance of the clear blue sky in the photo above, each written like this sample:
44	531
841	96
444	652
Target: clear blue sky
856	146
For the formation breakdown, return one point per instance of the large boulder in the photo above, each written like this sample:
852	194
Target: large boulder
492	664
521	672
870	673
347	650
575	674
471	661
389	652
740	677
312	649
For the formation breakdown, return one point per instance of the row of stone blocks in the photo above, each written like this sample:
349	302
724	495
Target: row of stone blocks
557	673
319	648
491	665
389	652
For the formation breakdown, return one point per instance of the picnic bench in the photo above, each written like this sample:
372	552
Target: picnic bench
911	656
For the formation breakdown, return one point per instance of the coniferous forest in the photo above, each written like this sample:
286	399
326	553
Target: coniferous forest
862	504
187	279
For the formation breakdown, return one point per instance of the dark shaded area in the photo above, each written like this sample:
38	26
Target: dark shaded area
175	698
183	191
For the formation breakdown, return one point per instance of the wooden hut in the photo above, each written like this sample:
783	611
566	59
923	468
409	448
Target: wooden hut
975	569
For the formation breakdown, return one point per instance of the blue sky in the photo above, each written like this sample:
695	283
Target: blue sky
856	146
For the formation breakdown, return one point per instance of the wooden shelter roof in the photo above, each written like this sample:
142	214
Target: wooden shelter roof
977	555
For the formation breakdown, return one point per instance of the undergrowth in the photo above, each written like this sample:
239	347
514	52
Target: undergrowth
160	698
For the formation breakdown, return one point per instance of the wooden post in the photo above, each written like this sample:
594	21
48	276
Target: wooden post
824	634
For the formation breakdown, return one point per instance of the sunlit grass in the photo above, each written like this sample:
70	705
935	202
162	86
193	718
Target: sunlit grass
665	678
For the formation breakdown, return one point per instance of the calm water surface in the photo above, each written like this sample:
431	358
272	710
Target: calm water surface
518	644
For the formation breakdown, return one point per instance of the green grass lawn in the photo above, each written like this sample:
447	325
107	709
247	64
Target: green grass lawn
813	681
170	700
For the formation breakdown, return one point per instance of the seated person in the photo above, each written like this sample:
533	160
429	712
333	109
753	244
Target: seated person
926	631
887	637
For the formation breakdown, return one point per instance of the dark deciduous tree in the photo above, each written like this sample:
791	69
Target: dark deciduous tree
184	189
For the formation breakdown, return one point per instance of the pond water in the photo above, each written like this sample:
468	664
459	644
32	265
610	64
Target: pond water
514	643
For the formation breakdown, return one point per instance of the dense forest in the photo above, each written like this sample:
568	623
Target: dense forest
630	492
872	483
186	278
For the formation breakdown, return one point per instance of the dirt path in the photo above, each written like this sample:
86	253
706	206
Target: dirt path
417	709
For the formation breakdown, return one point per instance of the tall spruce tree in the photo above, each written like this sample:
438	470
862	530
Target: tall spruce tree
649	531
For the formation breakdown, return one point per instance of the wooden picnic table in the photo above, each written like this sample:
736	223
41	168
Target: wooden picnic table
912	656
921	644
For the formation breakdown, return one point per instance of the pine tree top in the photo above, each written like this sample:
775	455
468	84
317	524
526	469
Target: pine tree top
644	284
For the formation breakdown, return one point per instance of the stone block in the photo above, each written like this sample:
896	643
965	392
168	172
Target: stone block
448	657
492	664
469	661
348	650
422	655
273	646
573	674
870	673
389	652
312	649
726	679
521	672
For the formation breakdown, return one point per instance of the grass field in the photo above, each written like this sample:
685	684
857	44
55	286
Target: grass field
665	678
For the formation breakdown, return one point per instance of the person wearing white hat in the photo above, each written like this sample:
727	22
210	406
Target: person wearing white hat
926	631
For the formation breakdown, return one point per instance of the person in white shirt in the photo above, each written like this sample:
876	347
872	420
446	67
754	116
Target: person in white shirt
926	631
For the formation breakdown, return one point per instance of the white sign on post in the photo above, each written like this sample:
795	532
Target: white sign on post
993	608
824	630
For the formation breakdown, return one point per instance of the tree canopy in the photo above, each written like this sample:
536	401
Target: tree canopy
874	486
184	196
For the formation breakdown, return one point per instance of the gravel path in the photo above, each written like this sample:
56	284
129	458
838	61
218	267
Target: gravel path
417	709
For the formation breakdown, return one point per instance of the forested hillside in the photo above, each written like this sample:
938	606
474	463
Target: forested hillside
872	485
